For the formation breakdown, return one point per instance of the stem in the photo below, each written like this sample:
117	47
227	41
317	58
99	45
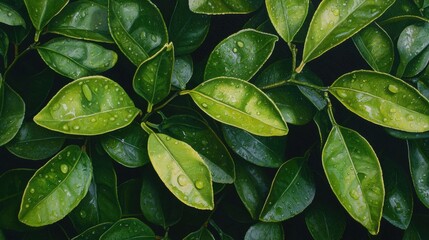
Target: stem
306	84
330	110
166	102
17	57
294	51
300	67
146	128
274	85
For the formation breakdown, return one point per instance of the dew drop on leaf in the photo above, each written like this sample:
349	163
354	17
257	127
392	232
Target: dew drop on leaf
181	180
64	168
87	92
199	184
393	88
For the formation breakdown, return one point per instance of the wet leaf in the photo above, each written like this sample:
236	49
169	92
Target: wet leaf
182	170
324	125
262	230
419	167
182	71
93	232
334	22
261	151
252	185
137	27
240	104
56	188
325	222
292	190
187	30
376	47
406	135
204	140
383	99
287	16
224	6
4	46
355	176
35	143
75	58
240	55
127	146
315	96
128	228
12	114
202	234
9	16
83	19
88	106
152	80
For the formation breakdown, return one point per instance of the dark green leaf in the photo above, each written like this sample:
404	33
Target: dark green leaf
419	166
273	231
93	232
315	96
128	228
11	115
9	16
130	204
224	6
182	71
202	234
4	46
324	125
325	222
406	135
418	229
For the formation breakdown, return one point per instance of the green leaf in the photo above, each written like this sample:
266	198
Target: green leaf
35	143
355	176
335	22
238	103
261	151
413	48
128	228
12	185
130	205
56	188
204	140
240	55
376	47
419	167
324	125
187	30
383	99
4	46
202	234
292	190
182	170
9	16
406	135
75	58
82	19
88	106
152	80
315	96
273	231
157	204
42	11
216	7
93	232
11	116
325	221
137	27
418	229
182	71
101	203
287	16
252	185
127	146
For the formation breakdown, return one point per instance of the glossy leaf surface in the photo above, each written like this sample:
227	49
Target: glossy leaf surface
35	143
93	232
152	80
376	47
88	106
240	55
262	230
9	16
128	228
137	27
224	6
292	190
204	140
261	151
56	188
201	234
419	167
355	176
287	16
127	146
383	99
334	22
182	170
182	71
75	58
240	104
11	115
83	19
325	222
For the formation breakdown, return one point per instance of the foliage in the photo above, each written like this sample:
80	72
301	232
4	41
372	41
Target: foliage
193	119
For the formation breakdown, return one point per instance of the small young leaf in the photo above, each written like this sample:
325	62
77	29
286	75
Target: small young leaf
56	188
152	80
335	22
292	190
383	99
287	16
93	232
325	222
419	167
202	234
273	231
216	7
376	47
88	106
182	170
240	55
9	16
355	176
182	71
240	104
137	27
12	114
75	58
83	19
128	228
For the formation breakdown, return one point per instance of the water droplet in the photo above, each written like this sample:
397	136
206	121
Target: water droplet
234	50
27	205
87	92
336	12
68	154
65	127
354	194
204	105
64	168
199	184
393	88
32	190
93	120
112	119
181	180
82	214
240	44
168	138
76	127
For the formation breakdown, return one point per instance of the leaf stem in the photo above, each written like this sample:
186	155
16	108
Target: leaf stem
146	128
17	57
330	110
294	51
300	67
166	102
294	82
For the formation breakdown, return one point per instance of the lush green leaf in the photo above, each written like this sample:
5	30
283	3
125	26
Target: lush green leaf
4	46
418	229
93	232
11	115
130	205
201	234
419	167
182	71
224	6
325	222
128	228
261	230
9	16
